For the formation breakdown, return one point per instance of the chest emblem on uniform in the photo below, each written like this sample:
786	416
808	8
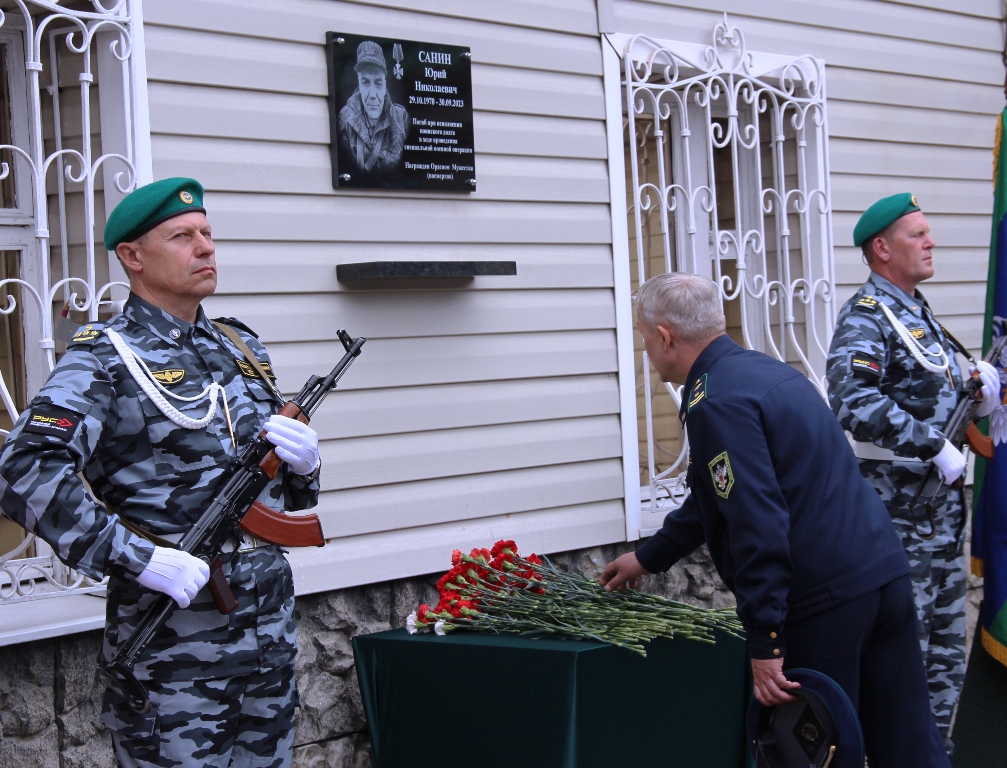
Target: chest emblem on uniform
698	392
248	371
169	375
87	333
917	333
722	475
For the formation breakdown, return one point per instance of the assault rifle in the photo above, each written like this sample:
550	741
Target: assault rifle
960	429
233	507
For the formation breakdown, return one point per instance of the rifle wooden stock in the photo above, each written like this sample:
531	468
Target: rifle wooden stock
283	530
980	444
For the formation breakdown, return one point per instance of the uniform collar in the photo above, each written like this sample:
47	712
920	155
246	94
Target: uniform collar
162	324
713	351
914	304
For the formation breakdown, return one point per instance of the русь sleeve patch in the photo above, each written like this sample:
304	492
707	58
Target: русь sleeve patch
865	366
45	419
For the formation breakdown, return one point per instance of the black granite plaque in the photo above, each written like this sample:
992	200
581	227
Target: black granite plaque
400	114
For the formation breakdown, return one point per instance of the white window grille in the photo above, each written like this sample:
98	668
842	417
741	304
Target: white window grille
728	177
69	142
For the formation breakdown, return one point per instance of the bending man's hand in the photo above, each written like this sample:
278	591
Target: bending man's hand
623	570
770	682
296	443
175	573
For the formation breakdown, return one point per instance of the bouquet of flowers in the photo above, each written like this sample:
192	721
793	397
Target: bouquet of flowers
498	590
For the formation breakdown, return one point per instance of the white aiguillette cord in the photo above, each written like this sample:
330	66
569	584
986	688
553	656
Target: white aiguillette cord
916	349
155	391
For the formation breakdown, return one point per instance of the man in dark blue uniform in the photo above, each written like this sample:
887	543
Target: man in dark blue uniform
800	538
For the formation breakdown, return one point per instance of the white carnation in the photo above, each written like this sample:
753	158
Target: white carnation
411	623
439	628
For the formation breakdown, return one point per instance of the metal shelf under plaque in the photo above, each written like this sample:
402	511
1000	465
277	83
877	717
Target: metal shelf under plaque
422	270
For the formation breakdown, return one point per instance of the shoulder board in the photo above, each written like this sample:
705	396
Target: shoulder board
87	334
698	393
235	323
865	303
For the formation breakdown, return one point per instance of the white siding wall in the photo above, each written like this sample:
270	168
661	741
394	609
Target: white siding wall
913	92
493	410
472	414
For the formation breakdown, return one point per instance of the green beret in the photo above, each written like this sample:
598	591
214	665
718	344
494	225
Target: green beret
881	214
146	207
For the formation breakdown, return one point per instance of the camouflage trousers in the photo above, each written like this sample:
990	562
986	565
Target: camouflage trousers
937	568
939	585
236	722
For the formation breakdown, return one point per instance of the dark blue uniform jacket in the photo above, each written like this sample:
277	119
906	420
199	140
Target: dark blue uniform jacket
776	492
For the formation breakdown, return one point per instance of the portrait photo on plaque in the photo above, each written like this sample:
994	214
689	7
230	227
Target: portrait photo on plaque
400	114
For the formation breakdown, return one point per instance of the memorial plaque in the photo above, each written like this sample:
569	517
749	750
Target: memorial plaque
400	114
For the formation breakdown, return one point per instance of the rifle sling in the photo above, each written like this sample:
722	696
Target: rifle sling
232	334
958	345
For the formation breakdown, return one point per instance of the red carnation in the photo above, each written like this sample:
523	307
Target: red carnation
480	554
504	546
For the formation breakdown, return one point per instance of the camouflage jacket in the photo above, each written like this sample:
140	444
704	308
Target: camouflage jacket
92	418
880	393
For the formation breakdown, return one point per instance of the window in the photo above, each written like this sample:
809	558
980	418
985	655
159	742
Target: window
726	155
68	144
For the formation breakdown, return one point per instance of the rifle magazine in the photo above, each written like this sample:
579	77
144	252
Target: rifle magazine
283	530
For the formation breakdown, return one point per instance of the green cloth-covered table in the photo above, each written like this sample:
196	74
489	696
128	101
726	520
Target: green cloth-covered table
507	701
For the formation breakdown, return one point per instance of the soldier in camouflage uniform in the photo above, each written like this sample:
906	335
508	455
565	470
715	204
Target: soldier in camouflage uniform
893	383
222	686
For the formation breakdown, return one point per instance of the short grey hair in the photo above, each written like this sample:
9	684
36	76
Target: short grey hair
688	304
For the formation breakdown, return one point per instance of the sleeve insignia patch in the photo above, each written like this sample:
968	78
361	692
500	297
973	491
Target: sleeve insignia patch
88	333
917	333
867	302
169	376
52	420
865	366
698	392
249	372
722	475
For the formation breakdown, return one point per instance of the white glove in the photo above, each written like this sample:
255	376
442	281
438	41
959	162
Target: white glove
990	378
950	462
296	443
175	573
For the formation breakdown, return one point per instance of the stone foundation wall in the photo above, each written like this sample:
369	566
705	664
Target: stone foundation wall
50	700
50	693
